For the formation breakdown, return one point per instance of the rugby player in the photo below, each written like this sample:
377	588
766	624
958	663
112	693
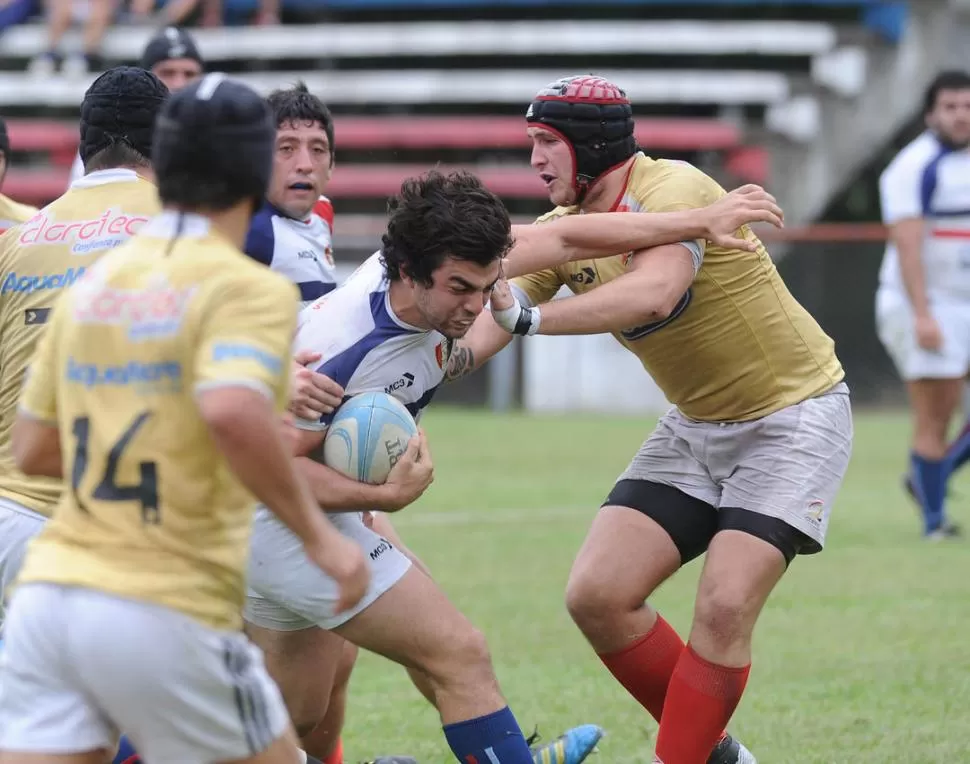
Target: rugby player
11	212
293	230
42	257
744	467
923	301
370	331
165	368
173	57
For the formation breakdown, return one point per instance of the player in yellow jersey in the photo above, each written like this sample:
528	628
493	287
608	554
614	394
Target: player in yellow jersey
156	393
50	252
744	467
11	212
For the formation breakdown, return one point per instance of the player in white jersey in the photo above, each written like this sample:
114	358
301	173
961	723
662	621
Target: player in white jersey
292	231
923	301
173	57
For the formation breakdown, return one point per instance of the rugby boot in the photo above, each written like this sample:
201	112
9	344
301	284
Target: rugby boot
392	760
572	747
730	751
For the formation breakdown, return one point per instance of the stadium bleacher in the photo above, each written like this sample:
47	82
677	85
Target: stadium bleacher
446	81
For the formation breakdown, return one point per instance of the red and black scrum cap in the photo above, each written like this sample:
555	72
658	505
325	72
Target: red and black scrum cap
593	116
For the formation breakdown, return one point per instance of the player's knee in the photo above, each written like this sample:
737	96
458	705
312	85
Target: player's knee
725	613
593	603
463	658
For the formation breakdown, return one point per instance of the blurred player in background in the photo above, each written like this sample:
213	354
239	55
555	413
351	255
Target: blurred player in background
173	57
923	301
11	212
293	230
163	371
365	351
41	258
746	465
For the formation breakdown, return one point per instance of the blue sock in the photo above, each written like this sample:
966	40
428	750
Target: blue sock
492	739
929	481
126	753
958	453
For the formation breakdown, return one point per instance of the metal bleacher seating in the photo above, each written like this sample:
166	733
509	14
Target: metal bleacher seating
420	82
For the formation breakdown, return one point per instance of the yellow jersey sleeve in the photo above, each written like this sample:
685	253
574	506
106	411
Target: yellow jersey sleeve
38	399
538	287
683	188
247	336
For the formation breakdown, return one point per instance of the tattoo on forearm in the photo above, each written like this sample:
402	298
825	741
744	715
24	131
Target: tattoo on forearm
461	361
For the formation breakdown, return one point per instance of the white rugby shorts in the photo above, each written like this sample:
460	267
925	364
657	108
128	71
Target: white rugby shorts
18	525
287	592
896	329
79	665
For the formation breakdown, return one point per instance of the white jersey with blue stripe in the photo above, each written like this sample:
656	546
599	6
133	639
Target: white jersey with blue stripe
366	348
301	250
930	180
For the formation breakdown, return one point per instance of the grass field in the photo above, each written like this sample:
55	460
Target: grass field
862	655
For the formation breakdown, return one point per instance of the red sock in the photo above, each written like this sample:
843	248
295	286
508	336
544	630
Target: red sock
700	701
337	756
644	667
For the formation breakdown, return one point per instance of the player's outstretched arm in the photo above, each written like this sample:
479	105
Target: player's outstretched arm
335	492
655	282
581	237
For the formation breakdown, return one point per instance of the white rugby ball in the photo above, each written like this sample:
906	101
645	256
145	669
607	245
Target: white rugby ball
367	436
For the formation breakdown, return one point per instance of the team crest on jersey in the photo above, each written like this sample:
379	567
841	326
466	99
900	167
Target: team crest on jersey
149	313
112	228
442	352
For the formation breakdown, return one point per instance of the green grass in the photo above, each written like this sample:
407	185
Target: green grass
862	655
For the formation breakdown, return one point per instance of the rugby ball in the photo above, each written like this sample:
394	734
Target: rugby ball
367	436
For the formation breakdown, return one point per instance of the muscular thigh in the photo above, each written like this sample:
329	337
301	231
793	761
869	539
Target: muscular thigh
787	466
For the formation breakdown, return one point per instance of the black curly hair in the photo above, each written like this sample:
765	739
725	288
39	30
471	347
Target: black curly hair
436	216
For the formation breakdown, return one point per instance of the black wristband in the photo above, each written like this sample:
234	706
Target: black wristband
524	322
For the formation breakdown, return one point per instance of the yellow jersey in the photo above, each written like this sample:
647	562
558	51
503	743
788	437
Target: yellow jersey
37	261
151	510
14	213
738	346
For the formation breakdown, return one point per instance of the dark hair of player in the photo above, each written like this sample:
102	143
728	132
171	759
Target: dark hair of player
947	80
437	216
298	105
116	155
213	146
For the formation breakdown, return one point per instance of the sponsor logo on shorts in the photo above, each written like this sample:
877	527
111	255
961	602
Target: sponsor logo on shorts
112	228
163	375
816	509
237	351
18	284
154	311
377	551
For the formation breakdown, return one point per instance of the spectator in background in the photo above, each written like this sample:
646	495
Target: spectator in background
178	11
11	213
60	14
173	57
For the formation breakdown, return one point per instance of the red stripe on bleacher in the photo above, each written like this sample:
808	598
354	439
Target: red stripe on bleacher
430	132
